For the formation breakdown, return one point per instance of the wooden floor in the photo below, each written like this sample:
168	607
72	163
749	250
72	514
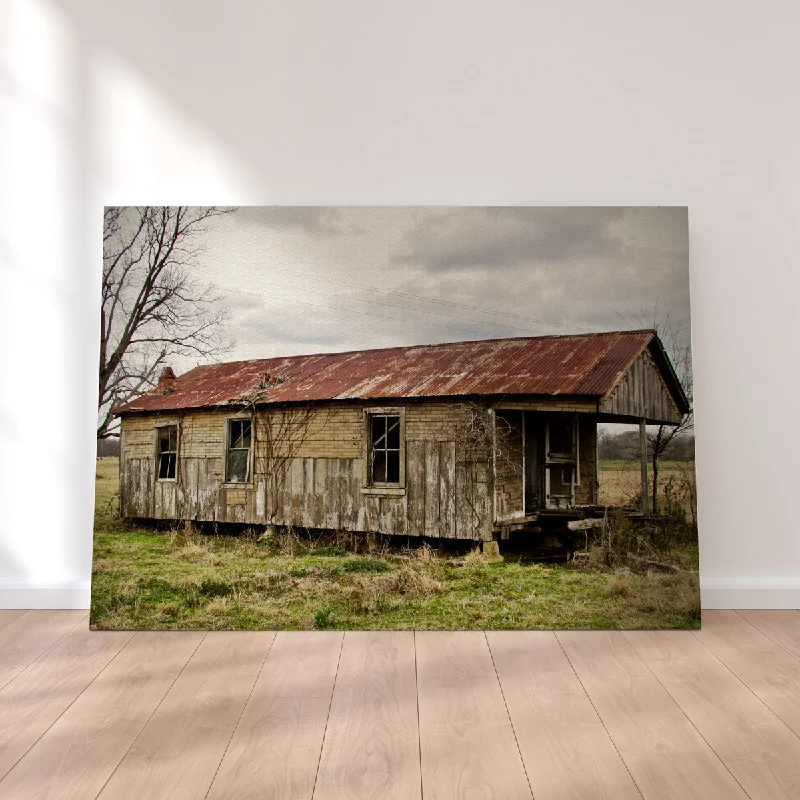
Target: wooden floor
334	716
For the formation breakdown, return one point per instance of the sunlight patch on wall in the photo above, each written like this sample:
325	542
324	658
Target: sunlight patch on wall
38	168
145	149
79	129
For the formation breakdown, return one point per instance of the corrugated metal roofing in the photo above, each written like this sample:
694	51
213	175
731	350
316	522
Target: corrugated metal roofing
587	364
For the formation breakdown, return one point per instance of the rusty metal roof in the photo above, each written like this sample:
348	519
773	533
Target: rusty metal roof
586	364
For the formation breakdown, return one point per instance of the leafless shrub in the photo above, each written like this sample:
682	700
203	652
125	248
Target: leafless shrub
686	486
425	554
480	435
282	432
287	542
485	442
650	546
673	334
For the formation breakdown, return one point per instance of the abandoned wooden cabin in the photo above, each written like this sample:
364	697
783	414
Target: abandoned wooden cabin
455	440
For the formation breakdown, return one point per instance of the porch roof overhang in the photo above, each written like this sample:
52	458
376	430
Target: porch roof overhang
628	419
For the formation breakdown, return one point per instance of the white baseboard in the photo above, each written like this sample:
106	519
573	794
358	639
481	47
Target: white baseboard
750	593
25	595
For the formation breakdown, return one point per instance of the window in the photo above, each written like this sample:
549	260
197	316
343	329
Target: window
384	452
167	452
238	460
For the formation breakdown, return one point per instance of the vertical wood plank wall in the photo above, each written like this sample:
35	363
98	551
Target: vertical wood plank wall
446	495
641	392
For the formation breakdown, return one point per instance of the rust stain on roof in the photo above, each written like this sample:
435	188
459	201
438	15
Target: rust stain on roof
587	364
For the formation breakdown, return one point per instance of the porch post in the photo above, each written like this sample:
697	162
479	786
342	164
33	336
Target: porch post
493	414
643	456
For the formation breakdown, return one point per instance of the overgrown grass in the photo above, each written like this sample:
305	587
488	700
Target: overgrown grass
148	579
621	482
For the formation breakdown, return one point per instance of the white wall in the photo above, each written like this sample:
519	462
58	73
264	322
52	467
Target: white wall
403	102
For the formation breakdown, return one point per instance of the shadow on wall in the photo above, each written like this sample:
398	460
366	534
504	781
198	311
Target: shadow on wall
85	126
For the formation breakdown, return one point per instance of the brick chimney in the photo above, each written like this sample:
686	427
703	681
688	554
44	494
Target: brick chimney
166	381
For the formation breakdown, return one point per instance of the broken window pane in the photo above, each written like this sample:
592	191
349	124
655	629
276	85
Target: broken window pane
378	431
238	462
393	434
166	465
240	433
237	465
167	452
379	466
393	466
385	448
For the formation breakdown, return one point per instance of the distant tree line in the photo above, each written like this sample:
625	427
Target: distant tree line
625	447
108	446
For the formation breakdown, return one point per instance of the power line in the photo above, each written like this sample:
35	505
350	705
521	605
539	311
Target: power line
459	305
415	310
472	332
437	301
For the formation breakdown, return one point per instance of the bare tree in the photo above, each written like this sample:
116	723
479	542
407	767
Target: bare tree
674	337
152	307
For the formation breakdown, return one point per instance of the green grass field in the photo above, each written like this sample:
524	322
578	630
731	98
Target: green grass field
149	579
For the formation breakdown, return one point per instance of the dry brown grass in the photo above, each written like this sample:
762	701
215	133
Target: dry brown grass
425	554
409	582
620	586
621	481
475	558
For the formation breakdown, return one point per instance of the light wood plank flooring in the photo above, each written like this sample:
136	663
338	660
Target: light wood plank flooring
579	714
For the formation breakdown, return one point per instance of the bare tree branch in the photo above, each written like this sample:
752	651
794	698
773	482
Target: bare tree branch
674	336
481	436
153	309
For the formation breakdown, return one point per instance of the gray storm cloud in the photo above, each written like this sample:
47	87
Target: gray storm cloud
309	279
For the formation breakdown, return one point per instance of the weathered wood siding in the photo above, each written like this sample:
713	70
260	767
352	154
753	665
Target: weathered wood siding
565	403
586	491
325	486
509	464
642	393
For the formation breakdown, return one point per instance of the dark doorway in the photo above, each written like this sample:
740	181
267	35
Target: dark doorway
533	425
561	459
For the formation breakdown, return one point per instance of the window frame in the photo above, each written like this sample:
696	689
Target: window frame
384	487
173	423
248	481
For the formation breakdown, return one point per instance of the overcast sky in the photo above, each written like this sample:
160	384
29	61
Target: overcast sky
308	280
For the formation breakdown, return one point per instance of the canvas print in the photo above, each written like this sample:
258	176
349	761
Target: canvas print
395	418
